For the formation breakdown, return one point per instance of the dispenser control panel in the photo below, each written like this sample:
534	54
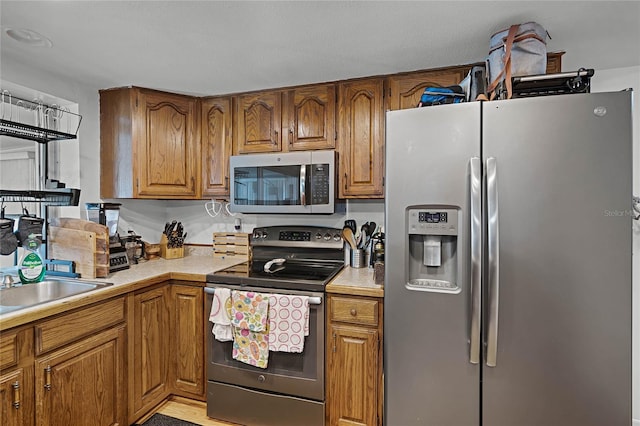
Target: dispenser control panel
431	217
426	221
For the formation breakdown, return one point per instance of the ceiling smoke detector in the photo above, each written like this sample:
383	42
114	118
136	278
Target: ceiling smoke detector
29	37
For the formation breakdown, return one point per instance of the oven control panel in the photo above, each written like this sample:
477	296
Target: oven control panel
294	236
297	236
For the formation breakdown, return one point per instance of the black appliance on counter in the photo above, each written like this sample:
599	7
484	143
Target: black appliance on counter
108	214
293	260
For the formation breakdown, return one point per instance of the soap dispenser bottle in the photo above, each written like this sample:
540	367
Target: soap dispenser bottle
31	267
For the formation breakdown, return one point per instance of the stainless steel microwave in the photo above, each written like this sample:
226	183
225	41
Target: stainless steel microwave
293	182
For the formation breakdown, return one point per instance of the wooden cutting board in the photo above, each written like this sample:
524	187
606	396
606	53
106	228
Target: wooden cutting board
76	245
101	261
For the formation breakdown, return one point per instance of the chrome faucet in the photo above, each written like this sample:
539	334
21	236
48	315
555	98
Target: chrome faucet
7	281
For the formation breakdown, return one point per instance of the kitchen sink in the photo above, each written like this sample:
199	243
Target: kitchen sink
27	295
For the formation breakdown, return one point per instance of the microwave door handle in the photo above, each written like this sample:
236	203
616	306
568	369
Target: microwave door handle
303	185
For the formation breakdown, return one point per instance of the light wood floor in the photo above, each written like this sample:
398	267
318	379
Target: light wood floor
191	411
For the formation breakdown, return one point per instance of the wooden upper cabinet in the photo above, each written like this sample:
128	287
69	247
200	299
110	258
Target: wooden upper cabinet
302	118
148	145
216	141
310	118
258	122
406	89
361	138
167	146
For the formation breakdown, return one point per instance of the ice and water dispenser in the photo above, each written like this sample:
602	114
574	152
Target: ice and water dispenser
432	234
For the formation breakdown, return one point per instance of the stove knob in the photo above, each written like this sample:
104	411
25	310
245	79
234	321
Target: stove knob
257	234
318	236
264	235
337	237
327	237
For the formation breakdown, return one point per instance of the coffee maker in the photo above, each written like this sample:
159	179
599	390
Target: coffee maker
108	214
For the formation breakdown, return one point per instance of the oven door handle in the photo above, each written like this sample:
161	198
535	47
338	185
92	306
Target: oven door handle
313	300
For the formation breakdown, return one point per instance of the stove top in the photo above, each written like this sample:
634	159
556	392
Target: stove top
297	258
312	277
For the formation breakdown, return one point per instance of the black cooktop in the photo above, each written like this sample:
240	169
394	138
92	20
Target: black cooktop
312	276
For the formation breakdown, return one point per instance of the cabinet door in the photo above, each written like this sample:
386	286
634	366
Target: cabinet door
216	138
353	376
83	383
406	89
166	147
258	122
16	388
151	334
311	118
361	138
187	347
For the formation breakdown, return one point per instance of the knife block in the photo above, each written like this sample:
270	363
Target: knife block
170	253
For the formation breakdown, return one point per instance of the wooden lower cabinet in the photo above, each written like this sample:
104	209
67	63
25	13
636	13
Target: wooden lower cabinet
149	335
12	394
187	322
354	361
83	383
16	377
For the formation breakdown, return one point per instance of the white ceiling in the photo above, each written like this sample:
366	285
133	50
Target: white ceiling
219	47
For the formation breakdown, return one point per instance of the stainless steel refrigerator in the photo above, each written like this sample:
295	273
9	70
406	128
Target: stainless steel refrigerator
508	263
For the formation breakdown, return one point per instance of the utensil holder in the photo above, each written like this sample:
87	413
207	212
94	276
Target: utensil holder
358	258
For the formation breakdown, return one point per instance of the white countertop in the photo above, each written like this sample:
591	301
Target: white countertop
355	281
194	267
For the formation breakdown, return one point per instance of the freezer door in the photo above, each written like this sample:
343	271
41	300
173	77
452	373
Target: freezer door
562	341
429	376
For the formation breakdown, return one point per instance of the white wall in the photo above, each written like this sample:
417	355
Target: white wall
613	80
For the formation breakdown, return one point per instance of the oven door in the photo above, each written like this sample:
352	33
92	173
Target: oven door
295	374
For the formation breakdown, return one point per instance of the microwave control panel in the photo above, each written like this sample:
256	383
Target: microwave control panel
320	184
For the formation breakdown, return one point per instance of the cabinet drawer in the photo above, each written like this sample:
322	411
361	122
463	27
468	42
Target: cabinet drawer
65	329
356	311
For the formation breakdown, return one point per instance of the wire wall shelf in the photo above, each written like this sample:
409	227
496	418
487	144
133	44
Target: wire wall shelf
36	121
51	197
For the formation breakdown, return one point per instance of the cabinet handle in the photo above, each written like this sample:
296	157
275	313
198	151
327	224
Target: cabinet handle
47	378
290	137
275	135
353	312
345	181
334	341
226	182
16	395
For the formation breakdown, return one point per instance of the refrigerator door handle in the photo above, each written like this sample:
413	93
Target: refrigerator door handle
493	242
476	258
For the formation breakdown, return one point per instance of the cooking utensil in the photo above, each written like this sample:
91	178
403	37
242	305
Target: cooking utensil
372	228
364	235
347	235
351	224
